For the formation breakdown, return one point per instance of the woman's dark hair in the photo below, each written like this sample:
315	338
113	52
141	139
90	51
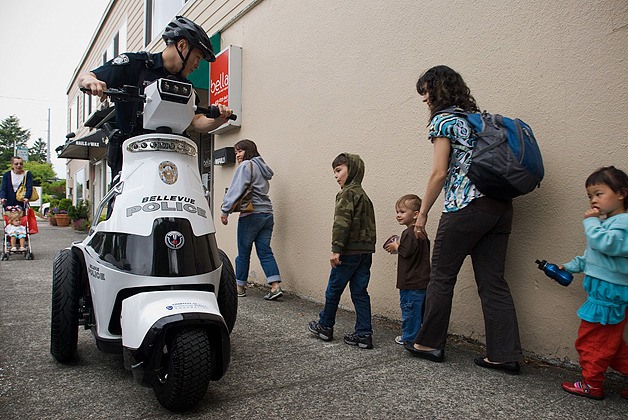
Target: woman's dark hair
250	149
445	88
614	178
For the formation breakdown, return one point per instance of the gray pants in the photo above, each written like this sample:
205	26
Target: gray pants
481	230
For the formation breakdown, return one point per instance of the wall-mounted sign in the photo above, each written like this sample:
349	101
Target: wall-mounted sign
224	156
225	84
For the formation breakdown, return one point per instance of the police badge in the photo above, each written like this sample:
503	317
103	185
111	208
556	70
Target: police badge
168	172
120	60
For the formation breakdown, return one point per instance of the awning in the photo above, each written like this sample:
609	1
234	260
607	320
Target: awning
90	147
101	116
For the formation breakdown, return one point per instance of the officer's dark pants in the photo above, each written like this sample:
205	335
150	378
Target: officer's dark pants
114	161
481	230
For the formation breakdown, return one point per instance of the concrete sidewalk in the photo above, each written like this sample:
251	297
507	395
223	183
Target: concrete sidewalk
278	370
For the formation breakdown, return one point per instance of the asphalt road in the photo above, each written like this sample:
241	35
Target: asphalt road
277	369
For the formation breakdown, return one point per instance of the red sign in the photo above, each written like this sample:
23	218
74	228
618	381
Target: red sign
219	80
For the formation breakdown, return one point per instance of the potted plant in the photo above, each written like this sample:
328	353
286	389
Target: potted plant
80	215
54	209
62	217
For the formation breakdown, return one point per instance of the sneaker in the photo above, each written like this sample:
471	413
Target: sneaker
14	249
22	249
583	389
274	295
324	333
241	291
362	341
399	340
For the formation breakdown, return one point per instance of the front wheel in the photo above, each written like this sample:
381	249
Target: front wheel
66	293
184	373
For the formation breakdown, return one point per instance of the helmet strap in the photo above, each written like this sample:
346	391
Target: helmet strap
183	59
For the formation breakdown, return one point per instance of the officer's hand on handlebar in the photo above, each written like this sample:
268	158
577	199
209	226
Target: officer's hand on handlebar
95	87
225	112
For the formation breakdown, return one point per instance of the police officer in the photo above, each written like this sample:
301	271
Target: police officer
186	45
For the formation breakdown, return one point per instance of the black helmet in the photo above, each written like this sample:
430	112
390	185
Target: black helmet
182	27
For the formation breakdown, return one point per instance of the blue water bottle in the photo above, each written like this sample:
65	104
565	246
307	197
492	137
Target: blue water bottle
563	277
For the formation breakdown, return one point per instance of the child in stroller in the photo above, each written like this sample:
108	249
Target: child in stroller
14	230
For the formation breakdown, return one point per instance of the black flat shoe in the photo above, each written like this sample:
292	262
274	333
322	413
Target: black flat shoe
433	355
508	367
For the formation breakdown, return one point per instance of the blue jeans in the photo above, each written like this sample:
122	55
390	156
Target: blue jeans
355	270
256	228
411	302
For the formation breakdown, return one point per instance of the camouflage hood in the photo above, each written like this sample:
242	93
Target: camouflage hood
355	164
353	231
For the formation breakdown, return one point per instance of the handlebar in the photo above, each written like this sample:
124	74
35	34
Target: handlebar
213	112
130	93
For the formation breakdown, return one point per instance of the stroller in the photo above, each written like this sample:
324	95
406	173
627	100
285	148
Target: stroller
30	230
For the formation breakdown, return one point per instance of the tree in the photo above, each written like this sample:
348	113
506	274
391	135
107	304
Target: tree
38	153
42	172
11	134
55	189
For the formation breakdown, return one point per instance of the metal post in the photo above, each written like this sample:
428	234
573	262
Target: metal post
48	147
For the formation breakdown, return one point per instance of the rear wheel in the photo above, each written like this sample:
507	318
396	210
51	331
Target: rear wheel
184	374
227	295
64	324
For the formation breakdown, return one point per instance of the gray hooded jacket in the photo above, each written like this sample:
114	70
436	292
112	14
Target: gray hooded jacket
242	178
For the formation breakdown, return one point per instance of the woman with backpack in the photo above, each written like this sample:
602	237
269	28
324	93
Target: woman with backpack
471	224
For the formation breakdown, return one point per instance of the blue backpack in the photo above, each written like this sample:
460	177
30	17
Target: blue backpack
506	161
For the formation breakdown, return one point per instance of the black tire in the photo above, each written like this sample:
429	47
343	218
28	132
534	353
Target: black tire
29	256
4	257
66	293
184	375
227	295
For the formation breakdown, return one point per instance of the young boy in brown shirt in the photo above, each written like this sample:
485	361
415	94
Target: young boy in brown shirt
413	267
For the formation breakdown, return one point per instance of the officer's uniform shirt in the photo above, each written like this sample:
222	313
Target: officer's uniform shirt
125	69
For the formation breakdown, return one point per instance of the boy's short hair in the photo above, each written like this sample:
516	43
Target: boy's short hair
341	159
409	201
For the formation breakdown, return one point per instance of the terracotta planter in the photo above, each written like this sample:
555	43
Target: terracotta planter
63	220
52	219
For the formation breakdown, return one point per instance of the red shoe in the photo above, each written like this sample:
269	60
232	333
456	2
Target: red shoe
583	389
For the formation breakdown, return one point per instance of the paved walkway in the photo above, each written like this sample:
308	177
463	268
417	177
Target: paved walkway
277	370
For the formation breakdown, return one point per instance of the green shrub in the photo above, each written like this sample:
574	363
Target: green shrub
65	203
81	211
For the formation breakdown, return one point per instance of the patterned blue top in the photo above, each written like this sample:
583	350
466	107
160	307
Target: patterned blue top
458	188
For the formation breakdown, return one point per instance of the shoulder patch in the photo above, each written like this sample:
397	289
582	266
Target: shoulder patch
120	60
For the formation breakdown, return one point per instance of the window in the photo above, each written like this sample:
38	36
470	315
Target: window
76	114
117	45
79	186
158	14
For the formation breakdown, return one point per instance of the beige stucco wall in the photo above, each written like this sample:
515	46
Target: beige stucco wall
321	78
325	77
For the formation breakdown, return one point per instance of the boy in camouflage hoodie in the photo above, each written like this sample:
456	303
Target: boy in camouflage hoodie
352	247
